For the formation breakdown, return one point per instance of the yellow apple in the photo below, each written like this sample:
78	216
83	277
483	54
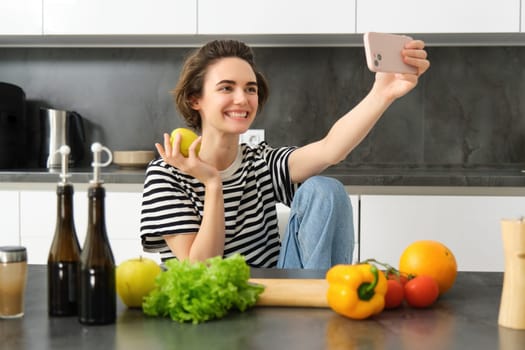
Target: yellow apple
187	138
135	278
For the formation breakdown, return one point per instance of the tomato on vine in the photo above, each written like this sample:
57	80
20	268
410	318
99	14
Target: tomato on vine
421	291
394	294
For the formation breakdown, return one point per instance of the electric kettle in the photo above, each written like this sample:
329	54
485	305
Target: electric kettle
59	128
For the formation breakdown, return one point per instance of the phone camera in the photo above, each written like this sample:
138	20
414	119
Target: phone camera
377	58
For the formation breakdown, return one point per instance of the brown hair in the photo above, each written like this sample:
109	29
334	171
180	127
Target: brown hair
191	79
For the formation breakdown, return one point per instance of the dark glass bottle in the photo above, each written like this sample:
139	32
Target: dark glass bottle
64	258
64	255
97	297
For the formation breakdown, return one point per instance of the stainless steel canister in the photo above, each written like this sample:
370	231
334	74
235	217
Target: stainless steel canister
13	279
59	128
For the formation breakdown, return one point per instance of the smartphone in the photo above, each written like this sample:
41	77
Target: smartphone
383	53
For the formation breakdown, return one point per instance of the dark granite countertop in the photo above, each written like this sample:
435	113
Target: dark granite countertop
370	176
466	317
430	176
110	174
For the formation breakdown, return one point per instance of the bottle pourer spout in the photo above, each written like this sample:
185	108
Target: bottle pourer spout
97	149
64	151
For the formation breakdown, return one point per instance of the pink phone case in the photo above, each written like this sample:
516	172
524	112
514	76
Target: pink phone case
383	53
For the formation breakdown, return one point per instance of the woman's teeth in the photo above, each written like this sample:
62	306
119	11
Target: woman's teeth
237	114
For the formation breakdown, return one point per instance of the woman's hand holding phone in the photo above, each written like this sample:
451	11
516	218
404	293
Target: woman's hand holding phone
384	53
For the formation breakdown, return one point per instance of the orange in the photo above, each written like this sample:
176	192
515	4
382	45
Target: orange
430	258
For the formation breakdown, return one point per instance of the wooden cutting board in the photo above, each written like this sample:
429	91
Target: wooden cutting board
292	292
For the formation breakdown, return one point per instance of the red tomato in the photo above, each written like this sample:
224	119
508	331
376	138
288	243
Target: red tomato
394	294
421	291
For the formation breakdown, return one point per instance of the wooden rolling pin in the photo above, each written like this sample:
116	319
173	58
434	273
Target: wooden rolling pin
292	292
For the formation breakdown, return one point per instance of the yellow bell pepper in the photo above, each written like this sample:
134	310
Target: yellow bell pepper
356	291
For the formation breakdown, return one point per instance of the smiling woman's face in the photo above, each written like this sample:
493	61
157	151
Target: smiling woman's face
229	98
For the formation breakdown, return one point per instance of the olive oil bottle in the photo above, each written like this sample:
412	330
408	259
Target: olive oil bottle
64	255
97	297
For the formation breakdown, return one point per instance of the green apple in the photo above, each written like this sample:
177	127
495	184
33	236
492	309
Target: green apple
187	138
135	278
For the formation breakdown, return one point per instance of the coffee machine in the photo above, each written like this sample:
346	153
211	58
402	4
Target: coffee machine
12	125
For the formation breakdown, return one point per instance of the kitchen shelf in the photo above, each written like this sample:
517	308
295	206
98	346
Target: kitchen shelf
273	40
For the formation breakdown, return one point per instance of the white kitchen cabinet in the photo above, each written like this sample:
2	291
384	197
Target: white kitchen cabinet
21	17
38	218
468	225
522	26
355	213
445	16
119	17
276	17
123	225
9	234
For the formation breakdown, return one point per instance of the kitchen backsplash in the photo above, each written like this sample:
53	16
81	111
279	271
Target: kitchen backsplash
467	111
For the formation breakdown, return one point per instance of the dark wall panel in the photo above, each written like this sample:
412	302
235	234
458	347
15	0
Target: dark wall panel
467	111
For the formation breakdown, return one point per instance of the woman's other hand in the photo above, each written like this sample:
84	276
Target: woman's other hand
191	165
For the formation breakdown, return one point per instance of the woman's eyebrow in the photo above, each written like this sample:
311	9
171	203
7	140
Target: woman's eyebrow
226	81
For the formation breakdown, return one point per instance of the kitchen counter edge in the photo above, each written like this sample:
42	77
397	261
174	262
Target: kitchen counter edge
496	182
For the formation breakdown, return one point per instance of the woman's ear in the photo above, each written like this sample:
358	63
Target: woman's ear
194	103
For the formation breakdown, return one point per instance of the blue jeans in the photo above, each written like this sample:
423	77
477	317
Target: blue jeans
320	231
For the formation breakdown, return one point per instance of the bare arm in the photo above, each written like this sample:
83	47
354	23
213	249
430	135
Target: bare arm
351	128
209	240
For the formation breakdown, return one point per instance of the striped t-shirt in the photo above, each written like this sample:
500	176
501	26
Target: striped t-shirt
173	203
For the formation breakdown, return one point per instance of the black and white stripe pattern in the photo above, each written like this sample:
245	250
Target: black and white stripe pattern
173	203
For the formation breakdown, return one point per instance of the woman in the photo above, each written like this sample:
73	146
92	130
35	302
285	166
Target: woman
222	199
